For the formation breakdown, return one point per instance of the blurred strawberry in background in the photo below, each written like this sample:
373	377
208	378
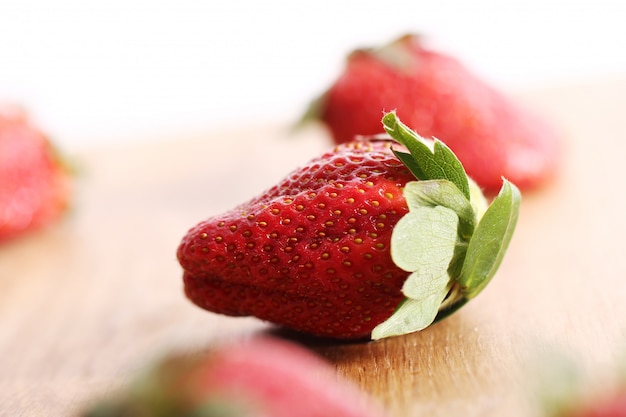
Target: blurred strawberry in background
436	95
34	182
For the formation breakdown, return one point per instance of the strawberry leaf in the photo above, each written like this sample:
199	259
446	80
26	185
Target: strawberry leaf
438	163
408	160
424	243
442	193
424	240
450	241
412	315
490	241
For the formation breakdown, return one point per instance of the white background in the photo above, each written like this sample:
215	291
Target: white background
93	73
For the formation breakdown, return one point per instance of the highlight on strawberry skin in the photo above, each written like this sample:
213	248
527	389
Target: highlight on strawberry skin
435	94
34	182
374	238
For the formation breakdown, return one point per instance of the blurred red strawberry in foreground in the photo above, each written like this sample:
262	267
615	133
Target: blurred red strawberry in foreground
261	377
34	184
564	388
612	406
438	96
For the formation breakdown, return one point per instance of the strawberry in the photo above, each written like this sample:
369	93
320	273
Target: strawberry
438	96
564	388
260	377
34	184
612	406
579	404
352	244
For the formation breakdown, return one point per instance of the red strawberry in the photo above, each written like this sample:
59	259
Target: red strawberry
314	252
261	377
580	400
34	184
613	406
564	388
437	96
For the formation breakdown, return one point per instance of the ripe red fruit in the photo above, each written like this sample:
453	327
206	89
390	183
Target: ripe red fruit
610	406
262	377
312	253
34	184
438	96
613	407
319	252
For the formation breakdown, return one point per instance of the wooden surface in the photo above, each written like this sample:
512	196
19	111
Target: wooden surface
86	303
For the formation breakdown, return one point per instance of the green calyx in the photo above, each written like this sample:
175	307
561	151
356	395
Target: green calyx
451	241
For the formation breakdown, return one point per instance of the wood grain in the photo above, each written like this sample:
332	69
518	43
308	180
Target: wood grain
89	301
